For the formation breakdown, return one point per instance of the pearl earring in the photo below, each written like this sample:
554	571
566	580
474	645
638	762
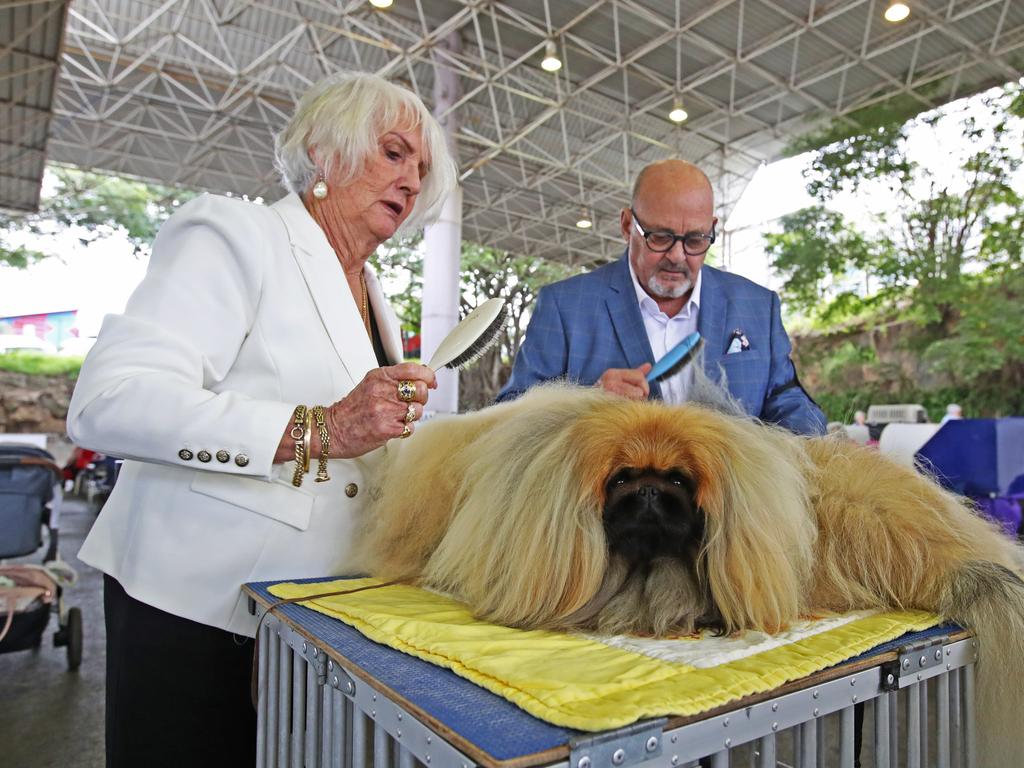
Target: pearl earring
320	188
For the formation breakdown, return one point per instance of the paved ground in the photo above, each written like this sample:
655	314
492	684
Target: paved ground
53	718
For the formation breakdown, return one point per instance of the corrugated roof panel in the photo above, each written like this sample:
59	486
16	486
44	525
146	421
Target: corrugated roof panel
187	95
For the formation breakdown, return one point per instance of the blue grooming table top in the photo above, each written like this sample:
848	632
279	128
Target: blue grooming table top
481	718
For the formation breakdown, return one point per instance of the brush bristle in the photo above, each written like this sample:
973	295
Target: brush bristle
482	344
678	366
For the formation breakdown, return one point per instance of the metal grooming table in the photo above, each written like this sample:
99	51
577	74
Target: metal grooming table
330	697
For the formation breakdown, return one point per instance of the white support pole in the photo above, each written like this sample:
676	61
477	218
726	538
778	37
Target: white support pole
442	247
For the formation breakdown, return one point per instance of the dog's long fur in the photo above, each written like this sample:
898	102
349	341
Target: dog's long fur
503	509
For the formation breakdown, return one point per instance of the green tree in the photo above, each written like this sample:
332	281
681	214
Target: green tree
946	253
92	205
489	273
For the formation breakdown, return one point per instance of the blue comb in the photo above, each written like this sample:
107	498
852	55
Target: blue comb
675	358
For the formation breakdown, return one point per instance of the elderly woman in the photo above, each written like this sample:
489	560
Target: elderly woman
250	384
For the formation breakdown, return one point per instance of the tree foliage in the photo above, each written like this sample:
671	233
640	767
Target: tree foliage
92	206
944	253
485	273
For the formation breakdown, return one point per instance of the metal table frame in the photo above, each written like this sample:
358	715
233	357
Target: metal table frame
317	707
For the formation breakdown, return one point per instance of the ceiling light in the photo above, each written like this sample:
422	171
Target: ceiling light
381	3
678	114
897	11
551	61
584	222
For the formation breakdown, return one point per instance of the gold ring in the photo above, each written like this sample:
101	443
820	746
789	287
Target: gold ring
406	431
406	390
410	413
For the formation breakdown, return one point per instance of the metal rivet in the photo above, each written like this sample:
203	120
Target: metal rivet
316	652
890	679
185	454
949	651
775	707
854	698
375	697
373	713
330	665
816	709
430	739
652	743
906	663
949	667
922	661
618	757
242	460
675	759
853	681
399	715
335	680
204	456
938	655
223	456
584	762
398	732
349	687
814	694
725	723
674	738
918	675
304	648
428	758
775	726
728	743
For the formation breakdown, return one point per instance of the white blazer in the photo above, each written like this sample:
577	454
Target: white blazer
244	312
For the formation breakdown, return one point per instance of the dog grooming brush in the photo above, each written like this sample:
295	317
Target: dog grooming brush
676	358
471	337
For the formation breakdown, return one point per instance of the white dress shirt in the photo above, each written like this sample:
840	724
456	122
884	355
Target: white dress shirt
665	332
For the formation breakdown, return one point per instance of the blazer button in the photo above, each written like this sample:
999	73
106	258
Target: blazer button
185	454
203	456
223	456
351	490
242	460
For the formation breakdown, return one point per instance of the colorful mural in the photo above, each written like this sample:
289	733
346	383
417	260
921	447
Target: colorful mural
54	327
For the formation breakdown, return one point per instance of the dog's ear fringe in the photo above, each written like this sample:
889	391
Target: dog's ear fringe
525	545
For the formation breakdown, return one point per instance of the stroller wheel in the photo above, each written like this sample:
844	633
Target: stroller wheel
74	636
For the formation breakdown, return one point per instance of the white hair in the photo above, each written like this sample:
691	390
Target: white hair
343	116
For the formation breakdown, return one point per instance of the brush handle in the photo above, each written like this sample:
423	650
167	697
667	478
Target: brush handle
673	356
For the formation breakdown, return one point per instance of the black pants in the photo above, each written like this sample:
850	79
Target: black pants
177	690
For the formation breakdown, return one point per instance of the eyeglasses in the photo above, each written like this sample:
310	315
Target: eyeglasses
663	240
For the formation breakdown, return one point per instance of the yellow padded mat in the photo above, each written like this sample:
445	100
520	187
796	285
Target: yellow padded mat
581	682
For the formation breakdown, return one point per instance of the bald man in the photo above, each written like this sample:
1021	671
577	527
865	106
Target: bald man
606	327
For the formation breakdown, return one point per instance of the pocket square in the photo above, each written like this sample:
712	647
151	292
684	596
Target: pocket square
738	342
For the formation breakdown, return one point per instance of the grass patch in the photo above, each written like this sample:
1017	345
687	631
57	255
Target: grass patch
40	363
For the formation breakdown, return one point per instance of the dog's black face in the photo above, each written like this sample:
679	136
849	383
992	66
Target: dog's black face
651	513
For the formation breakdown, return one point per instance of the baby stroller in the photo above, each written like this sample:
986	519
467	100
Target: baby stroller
30	498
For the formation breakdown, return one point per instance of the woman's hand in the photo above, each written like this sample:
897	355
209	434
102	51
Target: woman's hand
374	412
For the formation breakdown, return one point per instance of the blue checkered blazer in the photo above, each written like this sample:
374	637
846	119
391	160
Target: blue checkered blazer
589	323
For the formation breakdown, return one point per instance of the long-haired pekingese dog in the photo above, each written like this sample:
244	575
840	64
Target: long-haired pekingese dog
571	508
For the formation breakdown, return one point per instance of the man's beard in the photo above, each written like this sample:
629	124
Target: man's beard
675	291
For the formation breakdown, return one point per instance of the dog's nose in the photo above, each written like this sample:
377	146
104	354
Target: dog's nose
647	491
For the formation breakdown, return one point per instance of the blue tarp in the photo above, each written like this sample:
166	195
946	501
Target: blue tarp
982	459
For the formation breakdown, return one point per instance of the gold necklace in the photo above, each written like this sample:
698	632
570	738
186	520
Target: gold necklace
364	309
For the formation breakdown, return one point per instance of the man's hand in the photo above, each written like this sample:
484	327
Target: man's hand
628	382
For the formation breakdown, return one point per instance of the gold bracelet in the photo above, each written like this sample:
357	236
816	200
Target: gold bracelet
325	443
299	434
307	438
